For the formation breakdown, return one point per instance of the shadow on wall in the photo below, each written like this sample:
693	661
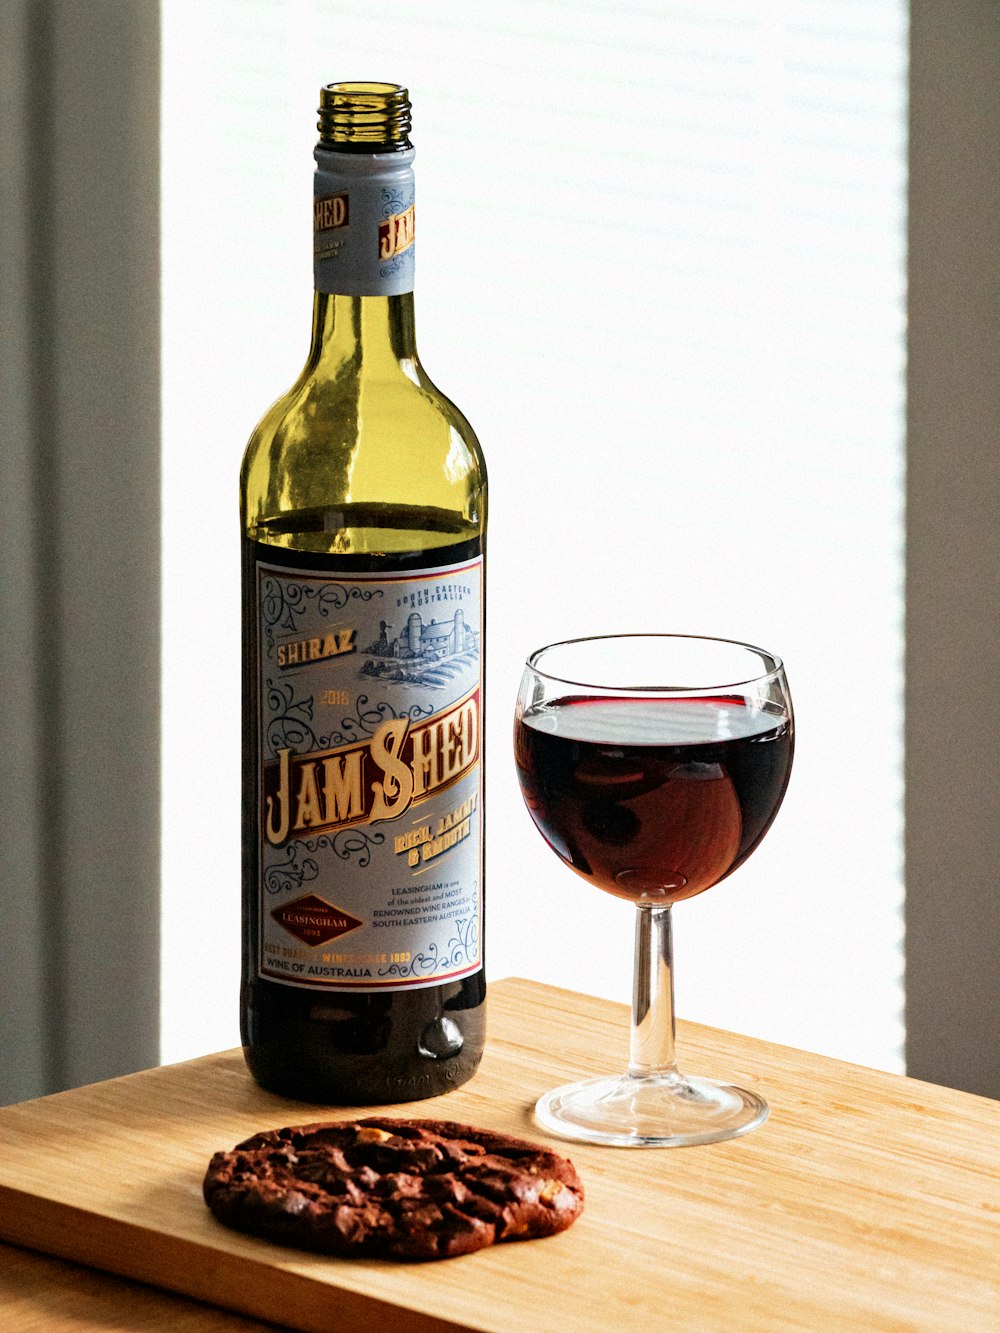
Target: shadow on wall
79	649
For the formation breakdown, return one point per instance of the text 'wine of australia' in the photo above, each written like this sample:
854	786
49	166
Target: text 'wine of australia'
363	499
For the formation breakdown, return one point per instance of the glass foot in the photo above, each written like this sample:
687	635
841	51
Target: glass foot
652	1111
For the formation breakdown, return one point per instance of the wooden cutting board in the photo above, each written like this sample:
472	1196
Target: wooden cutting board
867	1200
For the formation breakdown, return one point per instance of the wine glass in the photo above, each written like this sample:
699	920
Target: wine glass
652	764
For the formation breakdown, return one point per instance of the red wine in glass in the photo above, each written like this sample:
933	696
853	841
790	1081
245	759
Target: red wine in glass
653	765
653	799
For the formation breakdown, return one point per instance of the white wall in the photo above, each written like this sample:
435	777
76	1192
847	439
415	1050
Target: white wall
661	269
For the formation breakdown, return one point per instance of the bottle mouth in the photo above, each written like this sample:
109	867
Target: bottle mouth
364	117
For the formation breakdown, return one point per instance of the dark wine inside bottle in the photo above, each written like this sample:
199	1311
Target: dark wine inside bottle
329	1044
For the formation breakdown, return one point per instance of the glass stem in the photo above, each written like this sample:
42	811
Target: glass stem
651	1049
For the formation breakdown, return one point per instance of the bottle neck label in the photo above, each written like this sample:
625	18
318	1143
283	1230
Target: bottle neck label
363	223
367	779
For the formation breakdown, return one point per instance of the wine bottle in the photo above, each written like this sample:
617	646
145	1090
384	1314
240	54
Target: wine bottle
363	506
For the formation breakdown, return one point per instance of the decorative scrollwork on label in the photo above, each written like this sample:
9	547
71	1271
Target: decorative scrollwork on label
289	726
369	717
350	844
290	873
283	603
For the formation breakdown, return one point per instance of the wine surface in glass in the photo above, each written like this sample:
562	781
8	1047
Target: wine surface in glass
653	799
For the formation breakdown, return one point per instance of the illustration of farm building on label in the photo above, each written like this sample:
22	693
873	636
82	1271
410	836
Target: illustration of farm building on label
430	654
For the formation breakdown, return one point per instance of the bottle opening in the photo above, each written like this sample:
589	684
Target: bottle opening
364	117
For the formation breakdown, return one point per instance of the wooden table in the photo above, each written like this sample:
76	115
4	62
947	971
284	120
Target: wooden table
868	1201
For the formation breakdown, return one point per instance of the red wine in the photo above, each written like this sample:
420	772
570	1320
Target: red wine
653	799
345	1042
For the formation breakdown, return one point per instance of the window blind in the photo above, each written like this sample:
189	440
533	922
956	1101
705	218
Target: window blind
661	267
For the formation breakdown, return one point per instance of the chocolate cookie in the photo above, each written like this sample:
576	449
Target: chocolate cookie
399	1189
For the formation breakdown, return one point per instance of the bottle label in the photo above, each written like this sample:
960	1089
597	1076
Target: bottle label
363	223
369	795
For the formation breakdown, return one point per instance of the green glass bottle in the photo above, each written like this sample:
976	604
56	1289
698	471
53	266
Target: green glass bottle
363	505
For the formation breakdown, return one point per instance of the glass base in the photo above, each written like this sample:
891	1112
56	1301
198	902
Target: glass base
650	1111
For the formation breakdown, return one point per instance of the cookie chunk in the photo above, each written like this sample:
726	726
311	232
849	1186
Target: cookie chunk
397	1189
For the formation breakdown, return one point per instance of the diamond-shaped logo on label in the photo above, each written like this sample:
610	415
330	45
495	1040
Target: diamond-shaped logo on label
314	921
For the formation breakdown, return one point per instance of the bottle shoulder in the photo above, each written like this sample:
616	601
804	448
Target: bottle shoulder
459	424
406	408
348	438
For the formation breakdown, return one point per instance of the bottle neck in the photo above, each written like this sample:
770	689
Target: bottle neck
363	335
363	262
